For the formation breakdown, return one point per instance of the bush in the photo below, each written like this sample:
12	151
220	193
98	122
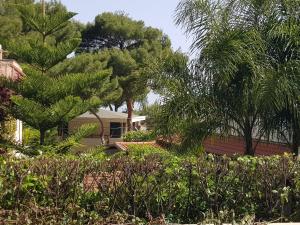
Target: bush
139	136
148	186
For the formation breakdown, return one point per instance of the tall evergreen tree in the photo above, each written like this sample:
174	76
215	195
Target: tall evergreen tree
90	63
11	24
42	101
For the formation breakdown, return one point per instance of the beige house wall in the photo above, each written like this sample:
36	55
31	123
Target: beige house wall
77	122
94	139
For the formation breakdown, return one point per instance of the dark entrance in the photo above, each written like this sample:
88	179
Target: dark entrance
115	130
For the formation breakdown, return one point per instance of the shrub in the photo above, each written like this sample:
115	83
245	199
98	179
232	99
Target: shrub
139	136
149	184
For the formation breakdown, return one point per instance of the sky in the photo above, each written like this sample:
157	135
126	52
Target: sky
155	13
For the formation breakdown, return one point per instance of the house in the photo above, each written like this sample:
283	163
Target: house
11	70
114	126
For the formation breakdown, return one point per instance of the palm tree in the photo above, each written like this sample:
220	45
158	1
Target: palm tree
228	69
229	84
282	84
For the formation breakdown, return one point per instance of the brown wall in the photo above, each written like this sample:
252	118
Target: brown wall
235	145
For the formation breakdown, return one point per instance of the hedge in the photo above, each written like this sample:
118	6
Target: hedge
148	185
139	136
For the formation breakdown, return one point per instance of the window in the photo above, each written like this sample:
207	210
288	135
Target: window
115	130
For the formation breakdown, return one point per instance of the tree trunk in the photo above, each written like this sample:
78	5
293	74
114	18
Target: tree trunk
101	126
42	137
129	103
296	141
249	150
249	146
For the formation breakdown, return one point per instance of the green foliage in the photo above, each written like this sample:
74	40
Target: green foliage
117	30
11	24
139	136
89	64
46	98
73	140
41	48
82	63
152	114
148	182
229	87
14	24
282	82
56	100
139	152
30	136
170	70
132	48
53	144
7	129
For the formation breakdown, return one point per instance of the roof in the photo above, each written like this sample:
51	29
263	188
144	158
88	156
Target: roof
106	114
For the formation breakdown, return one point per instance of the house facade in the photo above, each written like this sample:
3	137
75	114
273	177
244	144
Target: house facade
114	126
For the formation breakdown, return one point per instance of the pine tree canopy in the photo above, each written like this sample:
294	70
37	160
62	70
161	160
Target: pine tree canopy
45	99
132	48
22	17
117	30
44	102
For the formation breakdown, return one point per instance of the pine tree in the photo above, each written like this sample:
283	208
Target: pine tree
11	24
132	48
42	101
91	63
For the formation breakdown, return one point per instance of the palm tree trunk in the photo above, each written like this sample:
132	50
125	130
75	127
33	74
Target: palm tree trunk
129	103
249	150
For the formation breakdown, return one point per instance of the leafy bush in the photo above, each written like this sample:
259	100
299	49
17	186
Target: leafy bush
30	136
142	150
56	145
7	126
139	136
149	184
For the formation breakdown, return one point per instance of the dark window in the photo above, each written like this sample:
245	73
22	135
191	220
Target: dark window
115	130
